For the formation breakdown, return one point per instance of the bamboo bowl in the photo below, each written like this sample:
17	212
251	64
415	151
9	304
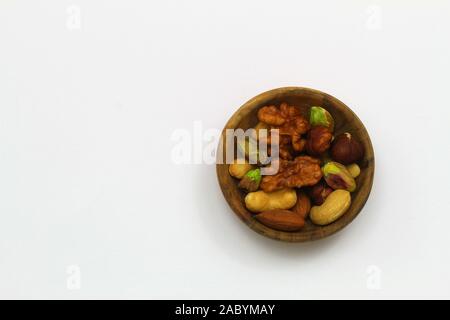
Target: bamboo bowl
345	121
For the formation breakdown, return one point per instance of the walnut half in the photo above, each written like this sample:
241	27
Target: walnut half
302	171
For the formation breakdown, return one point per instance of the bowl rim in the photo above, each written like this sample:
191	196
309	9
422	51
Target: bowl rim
283	235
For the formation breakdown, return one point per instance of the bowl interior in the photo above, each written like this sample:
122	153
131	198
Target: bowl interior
345	121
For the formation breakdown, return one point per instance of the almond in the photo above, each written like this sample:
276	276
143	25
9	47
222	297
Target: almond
303	205
283	220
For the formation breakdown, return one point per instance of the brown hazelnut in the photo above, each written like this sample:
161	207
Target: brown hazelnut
346	150
319	193
318	141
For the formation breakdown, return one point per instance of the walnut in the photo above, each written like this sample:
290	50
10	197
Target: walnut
298	143
318	141
289	111
285	152
302	171
291	125
271	115
295	123
284	146
285	149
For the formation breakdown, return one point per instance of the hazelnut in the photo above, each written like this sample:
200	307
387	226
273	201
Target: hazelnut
319	193
346	150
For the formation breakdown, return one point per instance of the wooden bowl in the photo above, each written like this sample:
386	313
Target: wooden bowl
345	121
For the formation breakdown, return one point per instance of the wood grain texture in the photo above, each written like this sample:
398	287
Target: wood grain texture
345	121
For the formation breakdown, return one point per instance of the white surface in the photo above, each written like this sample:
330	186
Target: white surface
87	114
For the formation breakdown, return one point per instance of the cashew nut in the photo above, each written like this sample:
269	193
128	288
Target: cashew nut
335	205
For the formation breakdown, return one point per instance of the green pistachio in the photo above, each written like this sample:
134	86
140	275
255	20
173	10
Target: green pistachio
251	180
320	117
337	176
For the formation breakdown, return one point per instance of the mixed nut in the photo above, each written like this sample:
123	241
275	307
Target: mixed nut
316	169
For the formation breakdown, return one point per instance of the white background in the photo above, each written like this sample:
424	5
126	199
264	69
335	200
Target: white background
88	106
